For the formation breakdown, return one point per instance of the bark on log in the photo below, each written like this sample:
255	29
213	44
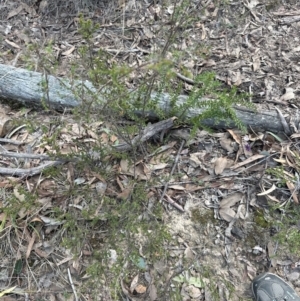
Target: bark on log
28	88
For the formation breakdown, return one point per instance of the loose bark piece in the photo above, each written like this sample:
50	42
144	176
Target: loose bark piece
146	134
26	87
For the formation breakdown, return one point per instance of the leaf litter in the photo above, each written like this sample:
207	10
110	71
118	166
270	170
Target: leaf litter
210	206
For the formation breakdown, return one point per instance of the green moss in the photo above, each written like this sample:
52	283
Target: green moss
272	5
260	220
202	217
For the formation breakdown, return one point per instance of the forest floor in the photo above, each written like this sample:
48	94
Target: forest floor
223	217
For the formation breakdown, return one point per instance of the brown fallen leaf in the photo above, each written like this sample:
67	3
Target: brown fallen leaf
30	244
140	171
226	144
227	214
125	193
41	253
220	165
14	12
289	94
152	292
292	189
249	160
14	45
69	51
140	289
231	200
134	283
177	187
235	136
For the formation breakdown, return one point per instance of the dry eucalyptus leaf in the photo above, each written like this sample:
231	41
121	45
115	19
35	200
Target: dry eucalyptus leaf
29	9
209	63
227	214
193	292
226	144
134	283
188	253
18	195
48	221
251	271
288	95
220	165
148	33
157	166
152	292
176	187
23	36
235	77
293	191
69	51
256	63
231	200
194	161
140	171
14	45
14	12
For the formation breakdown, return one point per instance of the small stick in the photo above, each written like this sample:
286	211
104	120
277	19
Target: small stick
24	155
72	285
172	171
28	171
11	141
173	203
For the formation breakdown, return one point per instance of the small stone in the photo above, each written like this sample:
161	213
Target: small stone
293	276
237	232
193	292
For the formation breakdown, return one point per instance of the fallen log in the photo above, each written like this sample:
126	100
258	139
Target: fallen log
35	89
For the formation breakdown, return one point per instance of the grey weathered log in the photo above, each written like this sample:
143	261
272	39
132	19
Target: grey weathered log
28	88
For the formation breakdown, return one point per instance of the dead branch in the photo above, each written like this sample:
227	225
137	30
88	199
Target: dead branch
24	86
28	172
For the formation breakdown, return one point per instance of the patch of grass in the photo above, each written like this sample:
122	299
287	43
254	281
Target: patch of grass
285	217
288	229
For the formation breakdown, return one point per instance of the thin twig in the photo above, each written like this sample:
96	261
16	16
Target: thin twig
186	79
72	285
11	141
28	171
172	171
173	203
24	155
